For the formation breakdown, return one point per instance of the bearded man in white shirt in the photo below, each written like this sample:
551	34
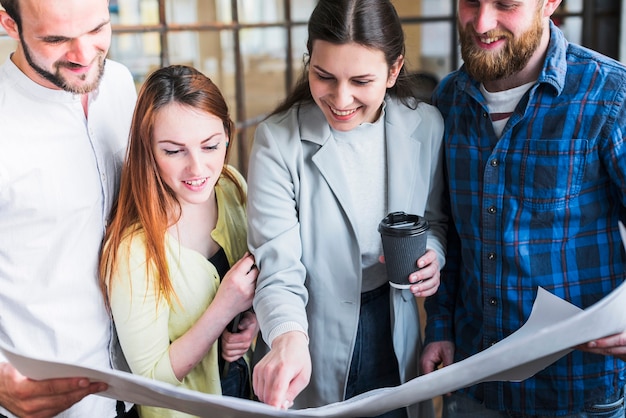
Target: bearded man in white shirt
65	112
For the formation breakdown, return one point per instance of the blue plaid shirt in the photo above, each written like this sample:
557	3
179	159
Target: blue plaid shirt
538	206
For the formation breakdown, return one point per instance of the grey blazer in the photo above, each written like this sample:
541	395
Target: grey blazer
305	244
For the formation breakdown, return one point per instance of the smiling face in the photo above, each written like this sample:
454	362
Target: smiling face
349	81
190	149
62	44
500	38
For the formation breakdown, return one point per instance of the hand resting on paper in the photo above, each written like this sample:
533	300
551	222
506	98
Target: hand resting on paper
427	279
436	354
613	345
41	399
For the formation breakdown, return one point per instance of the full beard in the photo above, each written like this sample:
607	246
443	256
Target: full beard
485	65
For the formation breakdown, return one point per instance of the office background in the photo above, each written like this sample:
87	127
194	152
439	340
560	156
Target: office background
253	49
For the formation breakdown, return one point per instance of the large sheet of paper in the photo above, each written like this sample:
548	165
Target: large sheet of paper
553	328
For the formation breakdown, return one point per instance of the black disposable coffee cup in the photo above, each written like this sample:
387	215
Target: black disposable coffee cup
404	241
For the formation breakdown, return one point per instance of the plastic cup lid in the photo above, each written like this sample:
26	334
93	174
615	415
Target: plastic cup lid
401	223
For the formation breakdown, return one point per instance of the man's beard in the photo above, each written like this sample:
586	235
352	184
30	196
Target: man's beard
58	80
485	65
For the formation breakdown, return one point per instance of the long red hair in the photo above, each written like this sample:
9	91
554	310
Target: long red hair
145	203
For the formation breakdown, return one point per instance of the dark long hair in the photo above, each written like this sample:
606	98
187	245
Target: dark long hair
373	24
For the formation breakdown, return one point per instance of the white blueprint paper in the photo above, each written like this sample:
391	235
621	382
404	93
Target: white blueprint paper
553	328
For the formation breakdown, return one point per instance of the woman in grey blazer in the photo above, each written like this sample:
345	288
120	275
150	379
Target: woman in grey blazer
349	145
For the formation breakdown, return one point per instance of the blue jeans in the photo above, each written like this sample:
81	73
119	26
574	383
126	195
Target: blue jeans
237	382
374	364
461	406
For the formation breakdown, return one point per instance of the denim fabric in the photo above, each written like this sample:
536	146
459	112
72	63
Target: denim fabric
461	406
374	363
237	382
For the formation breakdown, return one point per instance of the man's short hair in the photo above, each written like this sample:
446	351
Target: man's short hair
12	8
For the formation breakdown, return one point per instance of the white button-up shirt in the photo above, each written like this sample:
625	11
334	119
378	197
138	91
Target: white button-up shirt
59	174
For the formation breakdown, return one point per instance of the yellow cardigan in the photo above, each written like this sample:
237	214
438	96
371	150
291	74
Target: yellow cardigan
146	327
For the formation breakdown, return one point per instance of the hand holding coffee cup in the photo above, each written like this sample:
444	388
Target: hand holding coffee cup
404	241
